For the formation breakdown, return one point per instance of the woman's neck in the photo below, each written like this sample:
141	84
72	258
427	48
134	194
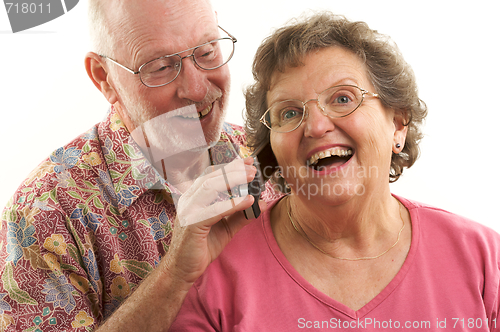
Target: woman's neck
363	226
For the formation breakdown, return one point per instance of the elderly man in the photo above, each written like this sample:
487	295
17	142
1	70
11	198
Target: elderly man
93	223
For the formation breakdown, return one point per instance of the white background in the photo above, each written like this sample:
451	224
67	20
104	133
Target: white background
47	98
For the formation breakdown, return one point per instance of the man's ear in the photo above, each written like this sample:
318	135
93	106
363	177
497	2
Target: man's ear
97	71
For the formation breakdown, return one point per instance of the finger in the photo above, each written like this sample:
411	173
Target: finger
235	164
207	188
248	160
215	212
196	205
221	180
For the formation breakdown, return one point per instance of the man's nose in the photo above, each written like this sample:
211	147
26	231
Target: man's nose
193	84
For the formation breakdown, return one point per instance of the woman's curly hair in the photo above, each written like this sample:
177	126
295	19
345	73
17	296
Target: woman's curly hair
392	77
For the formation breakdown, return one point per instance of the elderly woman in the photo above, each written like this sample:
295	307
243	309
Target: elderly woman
336	108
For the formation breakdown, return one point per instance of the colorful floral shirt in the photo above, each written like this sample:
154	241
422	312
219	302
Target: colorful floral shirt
86	226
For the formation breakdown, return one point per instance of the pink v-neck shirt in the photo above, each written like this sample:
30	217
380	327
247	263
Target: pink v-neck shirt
449	281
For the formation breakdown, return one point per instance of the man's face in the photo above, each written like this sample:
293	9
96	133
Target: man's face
144	30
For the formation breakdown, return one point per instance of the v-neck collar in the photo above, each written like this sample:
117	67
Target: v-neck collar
320	296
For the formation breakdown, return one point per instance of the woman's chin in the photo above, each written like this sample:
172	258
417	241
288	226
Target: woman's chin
329	192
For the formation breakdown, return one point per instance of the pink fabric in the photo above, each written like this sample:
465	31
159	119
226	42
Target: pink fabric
449	279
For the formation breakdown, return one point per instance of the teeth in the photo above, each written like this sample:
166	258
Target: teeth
191	116
340	152
199	114
206	111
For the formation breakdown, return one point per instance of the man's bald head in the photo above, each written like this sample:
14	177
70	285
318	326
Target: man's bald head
107	16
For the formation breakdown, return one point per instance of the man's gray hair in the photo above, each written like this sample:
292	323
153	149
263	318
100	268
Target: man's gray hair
100	36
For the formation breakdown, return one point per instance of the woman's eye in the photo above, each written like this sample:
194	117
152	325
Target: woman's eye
342	100
290	114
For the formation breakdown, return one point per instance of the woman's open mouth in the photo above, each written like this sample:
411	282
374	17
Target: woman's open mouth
334	157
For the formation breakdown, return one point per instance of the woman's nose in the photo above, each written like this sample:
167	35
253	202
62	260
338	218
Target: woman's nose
317	123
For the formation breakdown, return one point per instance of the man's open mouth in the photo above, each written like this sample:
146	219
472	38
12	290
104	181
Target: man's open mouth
333	157
198	115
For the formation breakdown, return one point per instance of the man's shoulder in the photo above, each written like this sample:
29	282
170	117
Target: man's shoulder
58	171
233	129
234	133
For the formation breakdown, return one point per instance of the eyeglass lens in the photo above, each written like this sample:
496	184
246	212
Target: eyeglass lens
337	101
208	56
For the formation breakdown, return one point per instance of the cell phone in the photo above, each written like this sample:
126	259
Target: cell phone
254	188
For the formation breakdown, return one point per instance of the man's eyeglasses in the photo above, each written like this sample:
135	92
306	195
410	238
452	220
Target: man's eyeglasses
164	70
336	102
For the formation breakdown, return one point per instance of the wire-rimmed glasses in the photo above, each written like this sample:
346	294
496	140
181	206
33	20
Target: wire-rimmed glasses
336	102
165	69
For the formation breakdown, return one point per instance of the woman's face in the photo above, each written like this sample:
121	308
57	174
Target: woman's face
361	144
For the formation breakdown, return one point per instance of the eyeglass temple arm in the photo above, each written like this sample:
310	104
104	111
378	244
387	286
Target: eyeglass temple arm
365	92
230	35
119	64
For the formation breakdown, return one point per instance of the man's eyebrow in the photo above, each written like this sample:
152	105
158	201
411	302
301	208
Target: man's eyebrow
205	38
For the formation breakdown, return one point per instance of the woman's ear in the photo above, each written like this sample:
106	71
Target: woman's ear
98	74
401	122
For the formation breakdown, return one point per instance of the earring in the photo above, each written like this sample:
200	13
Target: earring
398	145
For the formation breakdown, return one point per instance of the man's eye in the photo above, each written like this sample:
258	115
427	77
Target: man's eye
163	68
207	54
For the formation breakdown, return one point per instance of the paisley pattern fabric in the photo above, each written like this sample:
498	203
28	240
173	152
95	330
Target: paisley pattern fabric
86	226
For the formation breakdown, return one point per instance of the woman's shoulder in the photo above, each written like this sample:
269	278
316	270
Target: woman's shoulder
436	222
241	262
248	247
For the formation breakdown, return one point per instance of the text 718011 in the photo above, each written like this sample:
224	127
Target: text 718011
25	8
